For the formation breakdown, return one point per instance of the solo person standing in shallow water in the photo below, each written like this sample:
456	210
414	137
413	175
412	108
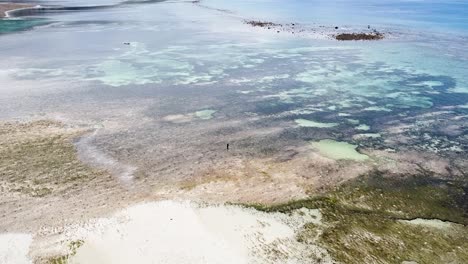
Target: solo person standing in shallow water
227	146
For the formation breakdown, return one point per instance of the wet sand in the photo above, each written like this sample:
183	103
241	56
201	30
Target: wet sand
5	7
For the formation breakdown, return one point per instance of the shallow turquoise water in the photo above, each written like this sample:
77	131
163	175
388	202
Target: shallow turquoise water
177	58
429	15
14	25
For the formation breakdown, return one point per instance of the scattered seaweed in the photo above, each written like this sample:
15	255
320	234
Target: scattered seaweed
39	158
371	219
72	248
359	36
257	23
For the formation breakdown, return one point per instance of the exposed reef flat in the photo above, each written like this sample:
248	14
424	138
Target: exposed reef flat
359	36
377	217
42	177
329	32
38	159
261	24
275	177
383	218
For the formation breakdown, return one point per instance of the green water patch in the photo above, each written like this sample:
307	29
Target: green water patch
338	150
310	123
381	217
205	114
118	73
16	25
353	121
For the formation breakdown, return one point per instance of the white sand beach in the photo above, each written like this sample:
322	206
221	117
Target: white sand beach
179	232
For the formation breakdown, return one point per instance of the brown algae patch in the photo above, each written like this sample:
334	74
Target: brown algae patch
73	247
338	150
255	23
39	158
280	177
359	36
366	136
380	218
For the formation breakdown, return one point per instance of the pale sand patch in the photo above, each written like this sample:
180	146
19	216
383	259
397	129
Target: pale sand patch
377	108
310	123
14	248
179	118
434	223
186	232
363	127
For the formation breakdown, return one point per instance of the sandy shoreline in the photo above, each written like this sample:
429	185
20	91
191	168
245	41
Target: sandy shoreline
5	7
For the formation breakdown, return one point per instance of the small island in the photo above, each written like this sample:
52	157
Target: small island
359	36
327	32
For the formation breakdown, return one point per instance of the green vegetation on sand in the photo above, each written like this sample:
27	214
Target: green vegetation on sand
381	218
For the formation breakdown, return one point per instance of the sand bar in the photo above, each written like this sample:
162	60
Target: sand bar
5	7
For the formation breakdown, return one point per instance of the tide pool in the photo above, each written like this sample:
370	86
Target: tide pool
338	150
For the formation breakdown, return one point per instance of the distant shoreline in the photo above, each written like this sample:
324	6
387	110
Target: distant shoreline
6	7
